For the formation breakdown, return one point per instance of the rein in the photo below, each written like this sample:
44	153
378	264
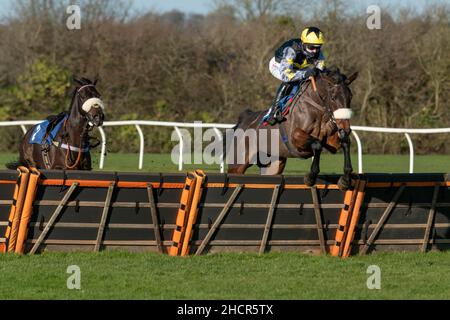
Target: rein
69	148
323	108
80	150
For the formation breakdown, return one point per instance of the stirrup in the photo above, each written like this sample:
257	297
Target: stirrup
277	117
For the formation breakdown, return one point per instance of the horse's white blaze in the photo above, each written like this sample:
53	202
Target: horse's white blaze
343	113
92	103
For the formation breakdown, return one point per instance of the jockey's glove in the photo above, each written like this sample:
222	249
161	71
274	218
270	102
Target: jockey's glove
311	72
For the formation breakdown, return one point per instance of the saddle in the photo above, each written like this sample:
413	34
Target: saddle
45	132
53	121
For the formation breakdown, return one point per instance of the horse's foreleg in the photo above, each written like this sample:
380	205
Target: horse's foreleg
345	181
311	177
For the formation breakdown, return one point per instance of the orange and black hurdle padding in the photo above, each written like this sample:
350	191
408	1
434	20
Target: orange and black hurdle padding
27	210
360	191
15	213
183	212
345	219
200	178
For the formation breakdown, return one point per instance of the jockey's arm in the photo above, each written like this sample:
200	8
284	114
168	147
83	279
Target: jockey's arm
287	68
320	63
287	71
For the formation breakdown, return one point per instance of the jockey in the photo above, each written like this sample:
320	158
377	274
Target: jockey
295	61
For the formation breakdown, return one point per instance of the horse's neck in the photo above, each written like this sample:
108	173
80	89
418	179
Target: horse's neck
308	97
75	128
309	102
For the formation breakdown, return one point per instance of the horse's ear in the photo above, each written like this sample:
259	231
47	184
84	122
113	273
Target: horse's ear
352	78
95	81
76	80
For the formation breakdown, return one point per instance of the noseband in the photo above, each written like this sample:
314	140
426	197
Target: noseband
89	104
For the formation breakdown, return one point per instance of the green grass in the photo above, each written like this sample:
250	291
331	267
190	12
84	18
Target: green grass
120	275
329	163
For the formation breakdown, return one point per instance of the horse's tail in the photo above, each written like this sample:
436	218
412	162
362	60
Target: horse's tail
13	165
242	116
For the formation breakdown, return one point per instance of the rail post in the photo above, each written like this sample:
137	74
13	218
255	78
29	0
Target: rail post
180	160
411	153
24	129
358	142
103	148
141	146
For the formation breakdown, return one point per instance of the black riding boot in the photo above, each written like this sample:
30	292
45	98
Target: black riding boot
275	112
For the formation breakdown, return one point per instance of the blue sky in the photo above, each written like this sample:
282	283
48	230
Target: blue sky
190	6
203	6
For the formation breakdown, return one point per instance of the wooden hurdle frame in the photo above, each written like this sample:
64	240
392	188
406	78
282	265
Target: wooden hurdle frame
349	233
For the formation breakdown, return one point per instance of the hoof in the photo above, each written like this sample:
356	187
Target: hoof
344	183
310	180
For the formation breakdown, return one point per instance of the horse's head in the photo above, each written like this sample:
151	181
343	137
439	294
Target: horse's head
87	102
339	96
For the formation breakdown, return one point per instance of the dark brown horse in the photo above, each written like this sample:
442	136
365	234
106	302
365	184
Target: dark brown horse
69	149
319	118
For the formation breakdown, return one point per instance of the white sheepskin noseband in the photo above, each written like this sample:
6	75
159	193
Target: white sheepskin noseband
343	113
92	103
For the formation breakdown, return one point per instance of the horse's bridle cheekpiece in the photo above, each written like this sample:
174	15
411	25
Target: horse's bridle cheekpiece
89	104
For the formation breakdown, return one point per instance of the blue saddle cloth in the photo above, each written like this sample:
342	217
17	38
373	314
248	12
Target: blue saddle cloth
38	135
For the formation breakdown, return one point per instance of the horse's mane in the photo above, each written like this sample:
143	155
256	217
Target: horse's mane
84	81
333	73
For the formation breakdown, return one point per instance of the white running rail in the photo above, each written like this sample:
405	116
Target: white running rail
216	126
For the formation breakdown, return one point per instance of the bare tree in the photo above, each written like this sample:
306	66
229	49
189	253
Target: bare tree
254	9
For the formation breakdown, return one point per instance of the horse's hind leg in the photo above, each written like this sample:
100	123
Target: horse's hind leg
311	177
27	152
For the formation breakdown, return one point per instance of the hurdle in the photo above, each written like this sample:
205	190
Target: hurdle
183	214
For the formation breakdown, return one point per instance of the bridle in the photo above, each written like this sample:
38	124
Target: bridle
84	136
85	86
324	107
326	104
83	112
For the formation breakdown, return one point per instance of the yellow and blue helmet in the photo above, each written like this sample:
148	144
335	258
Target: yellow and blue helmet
313	36
312	40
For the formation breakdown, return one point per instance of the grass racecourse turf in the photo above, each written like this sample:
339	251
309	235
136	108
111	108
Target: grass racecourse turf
273	276
123	275
329	163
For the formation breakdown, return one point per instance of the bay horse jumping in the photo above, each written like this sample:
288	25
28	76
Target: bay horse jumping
69	147
319	118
